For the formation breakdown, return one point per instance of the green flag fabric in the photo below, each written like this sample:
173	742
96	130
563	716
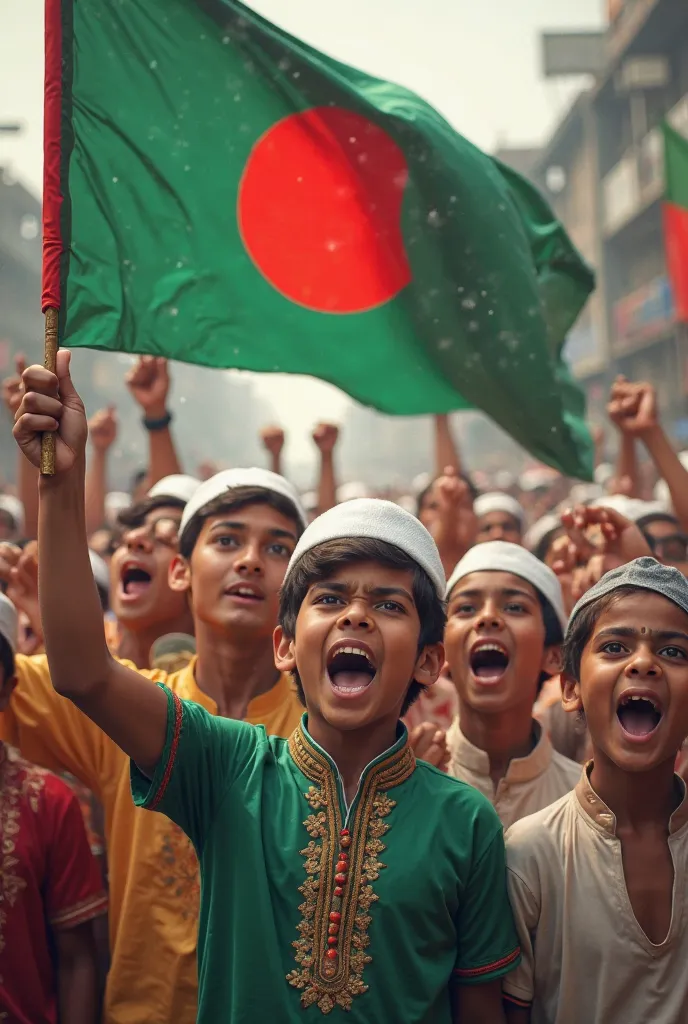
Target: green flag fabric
231	197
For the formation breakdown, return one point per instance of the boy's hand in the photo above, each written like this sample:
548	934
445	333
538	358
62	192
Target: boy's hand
430	744
456	518
273	439
102	429
633	407
51	403
9	559
149	383
12	387
325	437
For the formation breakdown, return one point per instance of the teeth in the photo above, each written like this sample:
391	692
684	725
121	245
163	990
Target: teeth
245	592
353	650
490	647
648	699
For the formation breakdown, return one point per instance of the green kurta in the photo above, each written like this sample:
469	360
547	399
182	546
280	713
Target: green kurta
308	906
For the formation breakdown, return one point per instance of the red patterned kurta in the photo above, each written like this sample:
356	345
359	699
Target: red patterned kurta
48	876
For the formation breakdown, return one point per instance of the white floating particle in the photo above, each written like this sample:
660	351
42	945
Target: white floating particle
153	65
174	311
468	304
115	180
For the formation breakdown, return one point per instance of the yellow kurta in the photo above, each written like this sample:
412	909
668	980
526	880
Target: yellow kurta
154	880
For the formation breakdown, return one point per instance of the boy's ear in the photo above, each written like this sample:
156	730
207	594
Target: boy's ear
429	664
6	692
551	660
570	693
283	646
179	575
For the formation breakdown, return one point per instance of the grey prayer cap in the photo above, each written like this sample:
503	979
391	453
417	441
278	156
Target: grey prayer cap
647	574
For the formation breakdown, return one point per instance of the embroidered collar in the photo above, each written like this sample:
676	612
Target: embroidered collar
521	769
596	809
388	769
341	862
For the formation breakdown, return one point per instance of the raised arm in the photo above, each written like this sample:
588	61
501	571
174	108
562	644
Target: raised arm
149	385
446	449
27	475
123	704
326	436
627	476
102	429
273	442
648	427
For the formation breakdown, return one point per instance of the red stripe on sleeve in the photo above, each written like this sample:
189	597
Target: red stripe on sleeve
172	754
476	972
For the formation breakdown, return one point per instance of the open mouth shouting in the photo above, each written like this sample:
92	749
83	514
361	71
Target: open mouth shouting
639	713
134	581
244	592
489	661
351	668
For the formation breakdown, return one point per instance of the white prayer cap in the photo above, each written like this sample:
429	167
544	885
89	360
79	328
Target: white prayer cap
14	508
178	486
497	501
539	530
378	520
115	502
632	508
229	480
501	556
8	622
101	573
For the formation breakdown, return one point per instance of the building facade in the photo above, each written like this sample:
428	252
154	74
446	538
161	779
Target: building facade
603	172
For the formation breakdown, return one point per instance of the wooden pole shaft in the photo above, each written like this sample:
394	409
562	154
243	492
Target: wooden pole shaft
50	362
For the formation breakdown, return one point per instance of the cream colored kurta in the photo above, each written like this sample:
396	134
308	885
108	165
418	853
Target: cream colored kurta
585	958
531	782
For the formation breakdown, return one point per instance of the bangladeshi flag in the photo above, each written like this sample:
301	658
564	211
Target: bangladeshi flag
218	192
676	216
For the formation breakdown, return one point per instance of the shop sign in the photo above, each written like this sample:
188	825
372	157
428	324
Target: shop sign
644	314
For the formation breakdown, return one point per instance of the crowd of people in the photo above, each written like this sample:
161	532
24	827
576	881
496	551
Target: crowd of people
413	763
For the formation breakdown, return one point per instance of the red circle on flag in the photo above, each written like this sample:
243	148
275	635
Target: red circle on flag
319	211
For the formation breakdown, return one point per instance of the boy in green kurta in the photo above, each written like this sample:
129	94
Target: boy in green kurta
339	875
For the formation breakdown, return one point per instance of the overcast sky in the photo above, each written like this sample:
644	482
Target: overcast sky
478	63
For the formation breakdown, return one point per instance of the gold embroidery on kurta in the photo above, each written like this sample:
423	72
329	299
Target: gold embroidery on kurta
343	980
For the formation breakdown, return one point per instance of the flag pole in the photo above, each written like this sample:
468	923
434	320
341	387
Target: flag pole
50	362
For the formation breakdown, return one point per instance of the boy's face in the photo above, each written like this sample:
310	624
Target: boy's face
356	646
499	526
237	567
140	596
495	642
634	681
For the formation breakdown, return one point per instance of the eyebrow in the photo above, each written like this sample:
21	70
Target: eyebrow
655	634
228	524
343	588
506	592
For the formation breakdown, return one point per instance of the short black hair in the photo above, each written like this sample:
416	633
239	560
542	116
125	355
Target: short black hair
420	500
232	500
324	559
542	547
554	634
581	628
134	516
6	659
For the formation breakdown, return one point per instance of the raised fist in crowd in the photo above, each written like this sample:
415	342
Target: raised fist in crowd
325	437
12	387
633	407
102	428
50	403
149	384
273	439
